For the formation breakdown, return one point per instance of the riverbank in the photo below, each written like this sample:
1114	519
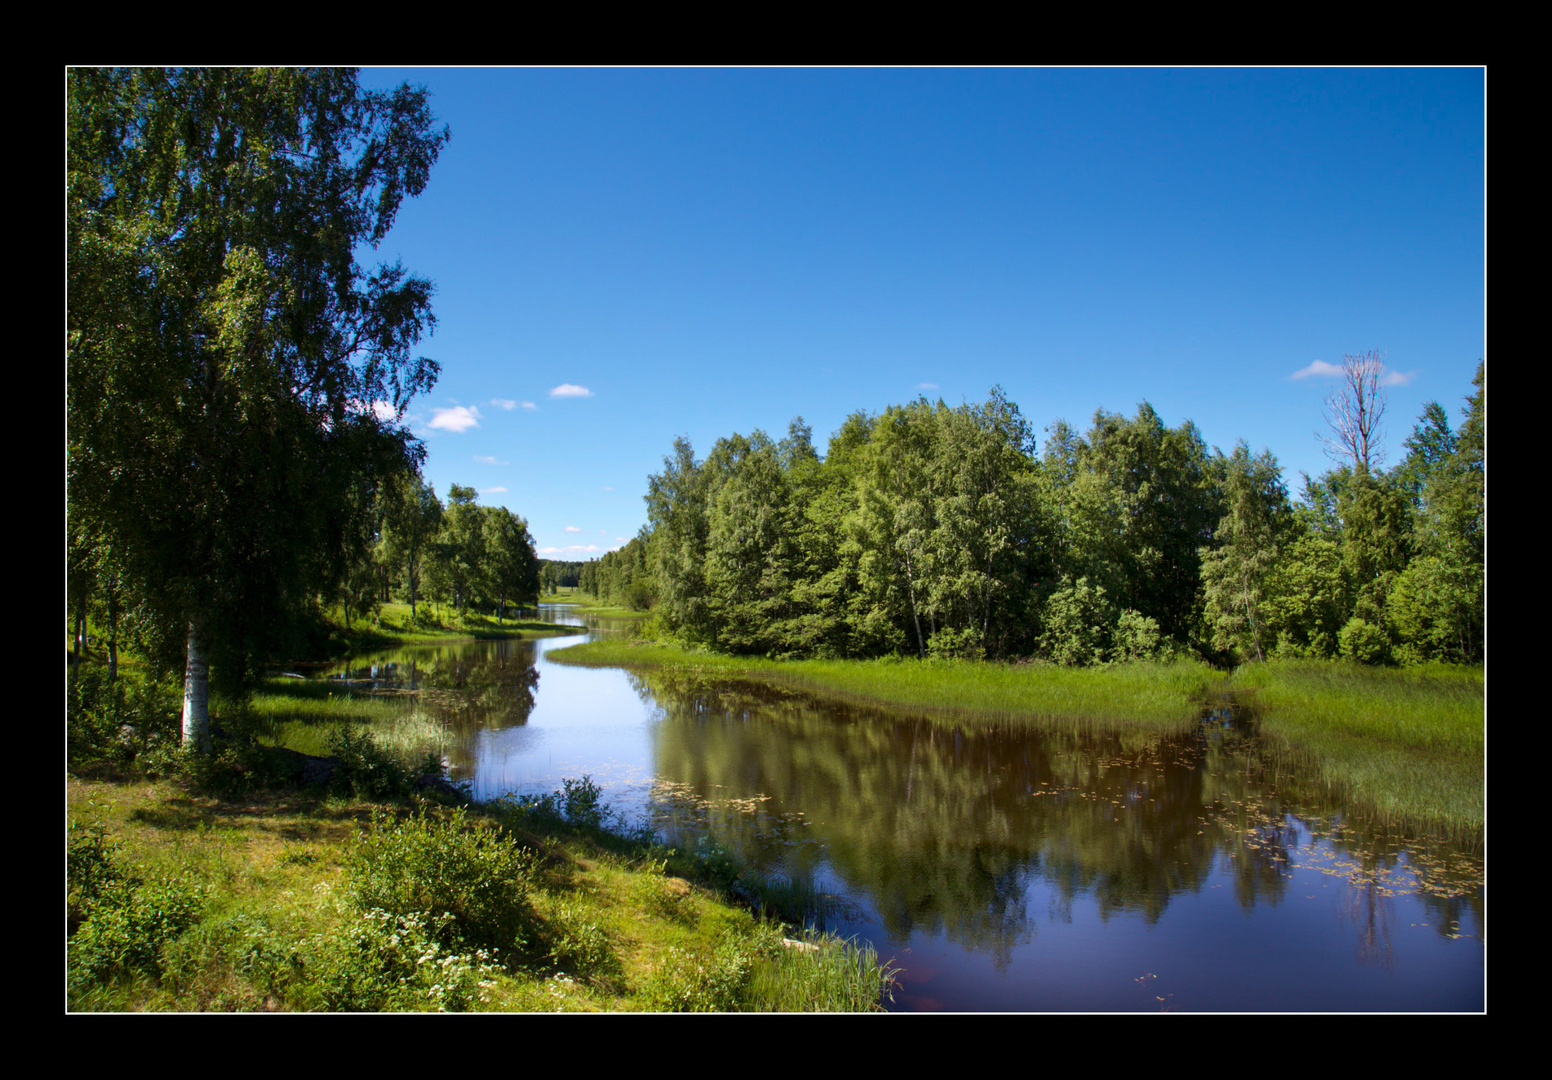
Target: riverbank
1402	744
300	900
1164	696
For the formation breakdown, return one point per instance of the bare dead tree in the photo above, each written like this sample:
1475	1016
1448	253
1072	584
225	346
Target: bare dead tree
1354	411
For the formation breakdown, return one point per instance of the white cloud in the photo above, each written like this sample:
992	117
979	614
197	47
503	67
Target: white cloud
503	403
608	487
384	410
489	459
570	390
493	491
926	386
530	406
459	418
572	528
621	540
573	549
1322	370
1318	368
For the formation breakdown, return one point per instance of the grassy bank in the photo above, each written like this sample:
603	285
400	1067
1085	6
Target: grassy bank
1406	744
1156	696
298	900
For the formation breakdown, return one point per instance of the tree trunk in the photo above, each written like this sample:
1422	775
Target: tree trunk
196	690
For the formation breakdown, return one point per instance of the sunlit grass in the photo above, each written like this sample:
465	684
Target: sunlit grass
1161	696
609	929
1406	744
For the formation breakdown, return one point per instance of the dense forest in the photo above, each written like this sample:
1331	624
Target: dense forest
933	531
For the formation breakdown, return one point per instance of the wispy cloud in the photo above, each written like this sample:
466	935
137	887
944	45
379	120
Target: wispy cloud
493	491
459	418
1319	369
572	528
608	487
529	406
503	403
489	459
926	386
570	390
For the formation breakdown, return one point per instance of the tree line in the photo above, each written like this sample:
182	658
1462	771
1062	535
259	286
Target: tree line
931	530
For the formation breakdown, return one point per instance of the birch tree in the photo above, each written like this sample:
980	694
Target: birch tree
232	371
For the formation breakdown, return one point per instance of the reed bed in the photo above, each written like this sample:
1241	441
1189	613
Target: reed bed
1405	744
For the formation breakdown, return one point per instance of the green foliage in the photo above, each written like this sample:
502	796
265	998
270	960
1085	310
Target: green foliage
1078	622
365	770
715	980
1236	570
120	923
222	340
382	961
118	720
1137	637
424	866
1364	642
1437	610
815	973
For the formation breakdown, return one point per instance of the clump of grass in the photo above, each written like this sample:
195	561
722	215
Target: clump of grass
817	973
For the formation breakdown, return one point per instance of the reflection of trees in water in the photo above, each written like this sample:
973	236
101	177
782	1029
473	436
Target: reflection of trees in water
467	686
947	831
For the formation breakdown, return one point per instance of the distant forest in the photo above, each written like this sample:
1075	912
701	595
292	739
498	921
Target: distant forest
935	531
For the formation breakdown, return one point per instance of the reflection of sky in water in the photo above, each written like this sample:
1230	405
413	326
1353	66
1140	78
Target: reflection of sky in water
585	721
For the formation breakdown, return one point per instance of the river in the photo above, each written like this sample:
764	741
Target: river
1000	869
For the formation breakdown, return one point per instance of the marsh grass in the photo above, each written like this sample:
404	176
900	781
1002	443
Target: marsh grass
1159	696
1403	744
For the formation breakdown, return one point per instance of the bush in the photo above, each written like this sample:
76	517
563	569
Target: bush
1364	642
1136	637
121	924
421	866
386	962
1078	621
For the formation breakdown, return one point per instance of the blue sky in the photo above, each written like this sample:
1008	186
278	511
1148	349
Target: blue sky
623	256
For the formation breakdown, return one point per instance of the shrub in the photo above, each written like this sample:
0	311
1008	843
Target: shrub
1136	637
422	866
121	923
118	721
1078	621
1364	642
381	961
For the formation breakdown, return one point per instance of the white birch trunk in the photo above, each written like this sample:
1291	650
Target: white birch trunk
196	690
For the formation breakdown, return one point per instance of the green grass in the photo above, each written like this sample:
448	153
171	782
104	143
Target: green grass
1404	744
1155	696
271	914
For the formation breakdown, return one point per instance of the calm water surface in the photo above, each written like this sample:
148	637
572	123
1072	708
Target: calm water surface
1001	869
